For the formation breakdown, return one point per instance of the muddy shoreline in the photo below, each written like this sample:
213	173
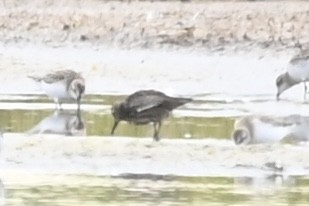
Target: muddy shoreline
179	48
208	26
117	71
121	155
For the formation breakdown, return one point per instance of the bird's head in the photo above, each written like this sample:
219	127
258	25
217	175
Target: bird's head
241	136
282	84
117	109
77	88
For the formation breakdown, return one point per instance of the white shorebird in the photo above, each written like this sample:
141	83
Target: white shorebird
61	85
60	122
297	72
264	129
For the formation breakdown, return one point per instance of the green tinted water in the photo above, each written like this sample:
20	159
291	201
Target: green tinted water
99	122
27	189
156	190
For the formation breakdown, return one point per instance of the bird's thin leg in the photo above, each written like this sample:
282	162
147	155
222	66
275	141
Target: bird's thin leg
60	107
78	105
114	127
305	93
157	127
79	124
58	104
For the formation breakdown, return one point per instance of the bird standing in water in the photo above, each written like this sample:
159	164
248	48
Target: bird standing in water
61	85
146	106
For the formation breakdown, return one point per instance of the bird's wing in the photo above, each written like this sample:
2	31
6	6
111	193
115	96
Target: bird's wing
283	121
144	100
299	58
59	76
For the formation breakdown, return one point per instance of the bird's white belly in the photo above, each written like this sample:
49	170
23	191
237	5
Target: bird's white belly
299	71
56	90
268	133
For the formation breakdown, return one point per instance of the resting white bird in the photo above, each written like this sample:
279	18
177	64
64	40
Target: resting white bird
264	129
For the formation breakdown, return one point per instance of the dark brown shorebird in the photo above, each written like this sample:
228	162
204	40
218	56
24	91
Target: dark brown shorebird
146	106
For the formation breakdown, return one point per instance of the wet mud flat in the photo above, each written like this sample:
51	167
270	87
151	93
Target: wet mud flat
195	139
179	48
120	155
116	71
213	26
224	57
53	169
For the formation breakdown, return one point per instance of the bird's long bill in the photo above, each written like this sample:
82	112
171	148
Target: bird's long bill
80	91
114	127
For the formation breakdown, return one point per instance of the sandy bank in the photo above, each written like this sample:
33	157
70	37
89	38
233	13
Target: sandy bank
114	155
212	26
124	71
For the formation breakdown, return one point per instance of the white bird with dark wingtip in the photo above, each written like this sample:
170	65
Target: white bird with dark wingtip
263	129
297	72
61	85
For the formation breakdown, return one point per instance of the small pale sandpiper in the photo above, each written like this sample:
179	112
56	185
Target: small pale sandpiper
264	129
61	85
297	72
146	106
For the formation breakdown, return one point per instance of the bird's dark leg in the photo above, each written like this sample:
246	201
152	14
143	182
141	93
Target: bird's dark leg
80	123
305	94
114	127
78	104
157	127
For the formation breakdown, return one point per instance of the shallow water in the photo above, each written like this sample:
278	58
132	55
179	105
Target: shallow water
210	116
130	189
97	120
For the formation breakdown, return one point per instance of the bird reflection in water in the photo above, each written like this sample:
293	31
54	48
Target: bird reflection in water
2	193
265	183
61	122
